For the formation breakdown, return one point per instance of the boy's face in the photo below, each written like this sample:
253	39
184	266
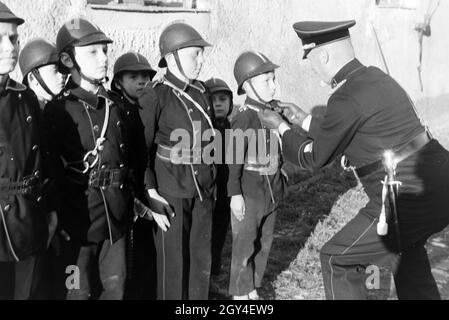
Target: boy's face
192	60
9	47
54	80
93	60
221	102
133	82
264	85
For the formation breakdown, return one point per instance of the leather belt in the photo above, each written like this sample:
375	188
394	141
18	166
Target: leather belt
263	169
410	148
104	178
183	156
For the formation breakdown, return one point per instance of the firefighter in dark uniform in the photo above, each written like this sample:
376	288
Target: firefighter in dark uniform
222	102
39	64
23	202
132	72
367	114
181	187
86	133
256	184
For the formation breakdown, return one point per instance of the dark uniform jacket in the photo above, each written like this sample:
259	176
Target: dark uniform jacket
21	157
164	111
88	213
246	182
222	168
367	114
138	155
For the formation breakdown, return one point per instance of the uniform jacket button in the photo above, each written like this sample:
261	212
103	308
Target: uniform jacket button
39	199
121	186
122	166
119	123
36	174
101	148
29	119
96	128
196	172
103	166
7	207
103	188
35	147
122	145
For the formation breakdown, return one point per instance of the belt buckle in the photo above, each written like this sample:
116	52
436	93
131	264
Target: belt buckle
115	177
105	177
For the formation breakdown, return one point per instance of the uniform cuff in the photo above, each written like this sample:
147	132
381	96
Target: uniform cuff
283	127
306	123
150	180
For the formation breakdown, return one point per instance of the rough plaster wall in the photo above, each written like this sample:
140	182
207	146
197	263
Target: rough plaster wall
237	25
43	18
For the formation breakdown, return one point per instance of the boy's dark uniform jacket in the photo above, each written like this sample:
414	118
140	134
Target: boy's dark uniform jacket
89	213
246	182
366	115
138	158
222	169
162	112
25	197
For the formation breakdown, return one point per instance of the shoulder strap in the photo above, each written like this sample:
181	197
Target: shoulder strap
98	142
188	97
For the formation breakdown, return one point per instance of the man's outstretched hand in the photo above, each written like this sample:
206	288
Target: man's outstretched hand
293	113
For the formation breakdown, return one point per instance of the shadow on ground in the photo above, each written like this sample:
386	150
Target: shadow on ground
309	201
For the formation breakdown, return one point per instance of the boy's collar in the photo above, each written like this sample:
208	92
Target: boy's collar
86	96
182	85
252	102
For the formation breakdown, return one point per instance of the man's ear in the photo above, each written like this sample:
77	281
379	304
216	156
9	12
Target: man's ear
66	60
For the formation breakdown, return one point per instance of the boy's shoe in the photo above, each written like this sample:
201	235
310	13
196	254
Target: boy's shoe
245	297
253	295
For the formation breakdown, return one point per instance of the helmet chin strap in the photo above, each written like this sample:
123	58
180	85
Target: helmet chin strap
95	82
180	68
256	93
42	83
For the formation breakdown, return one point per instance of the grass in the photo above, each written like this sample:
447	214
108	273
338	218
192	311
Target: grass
304	211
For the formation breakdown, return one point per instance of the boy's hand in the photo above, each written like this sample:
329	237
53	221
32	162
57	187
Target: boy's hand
238	207
161	209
